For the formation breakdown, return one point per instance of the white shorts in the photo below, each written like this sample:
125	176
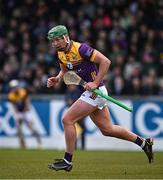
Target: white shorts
25	116
91	98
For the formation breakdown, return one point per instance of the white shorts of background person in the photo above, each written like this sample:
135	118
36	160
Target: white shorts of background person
91	98
24	116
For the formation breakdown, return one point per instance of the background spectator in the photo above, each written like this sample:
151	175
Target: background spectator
130	33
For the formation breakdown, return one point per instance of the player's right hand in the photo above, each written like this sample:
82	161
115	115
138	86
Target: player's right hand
52	81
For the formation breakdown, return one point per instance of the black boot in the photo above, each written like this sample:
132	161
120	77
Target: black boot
148	149
60	164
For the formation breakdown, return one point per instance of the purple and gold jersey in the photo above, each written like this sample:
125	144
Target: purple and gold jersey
80	58
18	98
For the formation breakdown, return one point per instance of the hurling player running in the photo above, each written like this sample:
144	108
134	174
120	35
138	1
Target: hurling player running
82	59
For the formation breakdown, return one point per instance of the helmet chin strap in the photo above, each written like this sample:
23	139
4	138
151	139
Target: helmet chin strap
67	40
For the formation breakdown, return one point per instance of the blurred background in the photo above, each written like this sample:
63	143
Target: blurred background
128	32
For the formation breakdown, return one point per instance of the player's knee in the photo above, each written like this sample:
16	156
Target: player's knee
66	120
107	131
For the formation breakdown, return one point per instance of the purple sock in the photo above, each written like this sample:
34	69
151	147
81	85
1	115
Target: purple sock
139	141
68	157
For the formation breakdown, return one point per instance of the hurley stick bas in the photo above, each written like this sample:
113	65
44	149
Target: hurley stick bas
71	77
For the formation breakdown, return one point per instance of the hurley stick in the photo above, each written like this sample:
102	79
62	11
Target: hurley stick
71	77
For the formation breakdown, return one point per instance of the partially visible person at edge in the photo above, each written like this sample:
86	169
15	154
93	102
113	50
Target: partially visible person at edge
19	99
82	59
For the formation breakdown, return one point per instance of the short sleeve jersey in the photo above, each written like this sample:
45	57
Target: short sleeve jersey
18	98
80	58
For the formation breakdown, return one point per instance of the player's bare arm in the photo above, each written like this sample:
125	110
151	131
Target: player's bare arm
52	81
104	64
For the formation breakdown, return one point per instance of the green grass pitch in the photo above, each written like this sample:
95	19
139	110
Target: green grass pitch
32	164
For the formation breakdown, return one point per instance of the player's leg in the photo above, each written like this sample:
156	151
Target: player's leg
29	122
34	132
102	119
19	122
77	111
20	133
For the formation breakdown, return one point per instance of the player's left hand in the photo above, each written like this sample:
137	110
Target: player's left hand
90	86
